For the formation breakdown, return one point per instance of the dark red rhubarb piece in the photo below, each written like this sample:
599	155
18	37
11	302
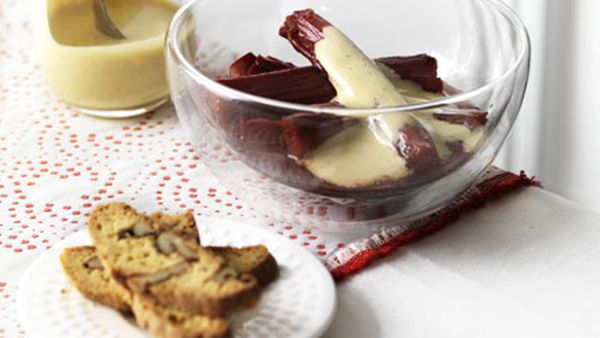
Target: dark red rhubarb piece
416	147
303	29
263	135
465	113
241	66
420	64
265	64
420	69
455	147
251	64
470	119
303	132
304	85
308	85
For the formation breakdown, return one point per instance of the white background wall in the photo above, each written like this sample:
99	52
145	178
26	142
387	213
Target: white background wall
557	137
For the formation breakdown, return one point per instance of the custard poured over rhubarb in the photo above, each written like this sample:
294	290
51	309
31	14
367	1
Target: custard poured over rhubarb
346	151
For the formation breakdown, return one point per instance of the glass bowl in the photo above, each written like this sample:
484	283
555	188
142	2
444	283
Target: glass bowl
482	51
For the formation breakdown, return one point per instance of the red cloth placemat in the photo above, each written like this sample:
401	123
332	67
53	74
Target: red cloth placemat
494	184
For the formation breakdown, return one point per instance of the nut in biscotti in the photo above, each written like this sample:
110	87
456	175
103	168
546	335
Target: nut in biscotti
172	270
140	284
140	228
167	243
93	264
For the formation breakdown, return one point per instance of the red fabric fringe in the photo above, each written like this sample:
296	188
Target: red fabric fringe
488	190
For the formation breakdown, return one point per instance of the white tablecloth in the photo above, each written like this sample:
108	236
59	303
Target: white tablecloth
527	265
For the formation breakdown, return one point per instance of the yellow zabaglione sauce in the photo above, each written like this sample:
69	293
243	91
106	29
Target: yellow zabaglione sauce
93	71
365	154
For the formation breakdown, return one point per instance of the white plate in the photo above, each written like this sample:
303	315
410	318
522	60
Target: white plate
301	303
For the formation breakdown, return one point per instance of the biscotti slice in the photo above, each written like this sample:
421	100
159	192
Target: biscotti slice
85	271
86	274
163	322
172	271
126	241
255	260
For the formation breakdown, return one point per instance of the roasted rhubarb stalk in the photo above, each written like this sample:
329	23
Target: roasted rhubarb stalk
304	29
305	85
421	65
250	64
275	79
414	143
308	85
262	135
420	69
303	132
359	83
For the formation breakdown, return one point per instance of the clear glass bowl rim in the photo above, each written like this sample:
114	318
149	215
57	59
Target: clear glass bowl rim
514	19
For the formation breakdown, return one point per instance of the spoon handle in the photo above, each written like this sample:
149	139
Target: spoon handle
103	21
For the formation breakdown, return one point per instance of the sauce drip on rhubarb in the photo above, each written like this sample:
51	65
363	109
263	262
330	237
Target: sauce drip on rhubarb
367	153
355	158
442	132
358	81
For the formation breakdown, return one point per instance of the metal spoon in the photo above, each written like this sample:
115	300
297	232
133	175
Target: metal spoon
103	21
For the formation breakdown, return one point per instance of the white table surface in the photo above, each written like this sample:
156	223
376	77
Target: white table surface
527	265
